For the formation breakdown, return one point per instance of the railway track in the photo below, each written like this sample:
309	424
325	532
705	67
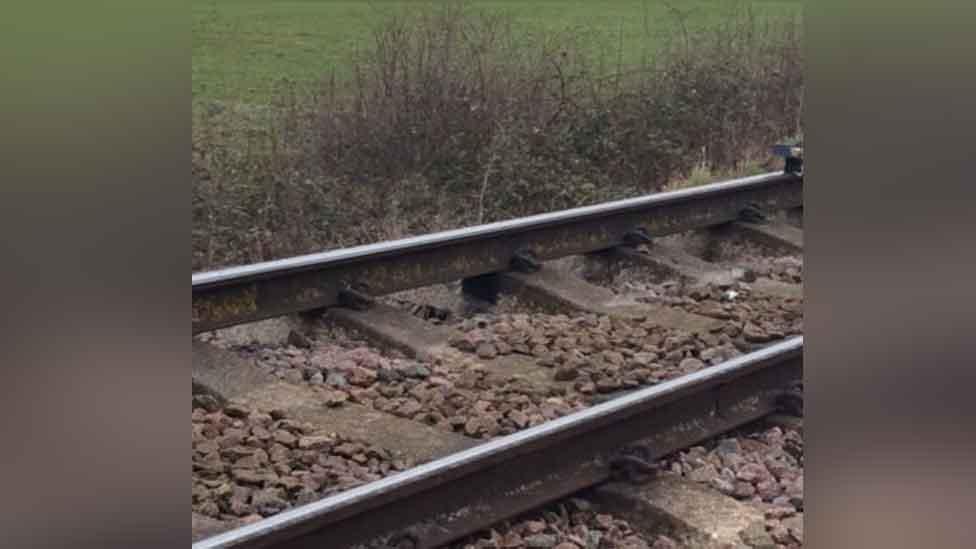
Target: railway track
479	418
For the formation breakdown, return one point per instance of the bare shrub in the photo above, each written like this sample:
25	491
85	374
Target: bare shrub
456	116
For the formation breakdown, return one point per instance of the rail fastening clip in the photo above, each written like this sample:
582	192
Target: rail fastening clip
793	156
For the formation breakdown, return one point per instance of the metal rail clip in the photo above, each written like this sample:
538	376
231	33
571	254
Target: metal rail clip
356	297
790	402
753	213
634	463
793	155
524	261
636	237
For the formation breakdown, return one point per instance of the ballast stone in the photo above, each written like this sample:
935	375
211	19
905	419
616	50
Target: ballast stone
690	513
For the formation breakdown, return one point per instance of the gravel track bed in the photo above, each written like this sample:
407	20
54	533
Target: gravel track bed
754	262
787	268
749	317
454	393
763	467
250	464
595	354
759	466
747	254
438	304
591	357
571	524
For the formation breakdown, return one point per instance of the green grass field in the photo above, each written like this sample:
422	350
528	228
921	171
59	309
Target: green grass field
242	49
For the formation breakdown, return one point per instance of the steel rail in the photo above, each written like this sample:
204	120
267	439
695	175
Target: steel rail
247	293
444	500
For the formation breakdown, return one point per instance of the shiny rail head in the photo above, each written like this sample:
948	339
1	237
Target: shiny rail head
446	469
512	226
